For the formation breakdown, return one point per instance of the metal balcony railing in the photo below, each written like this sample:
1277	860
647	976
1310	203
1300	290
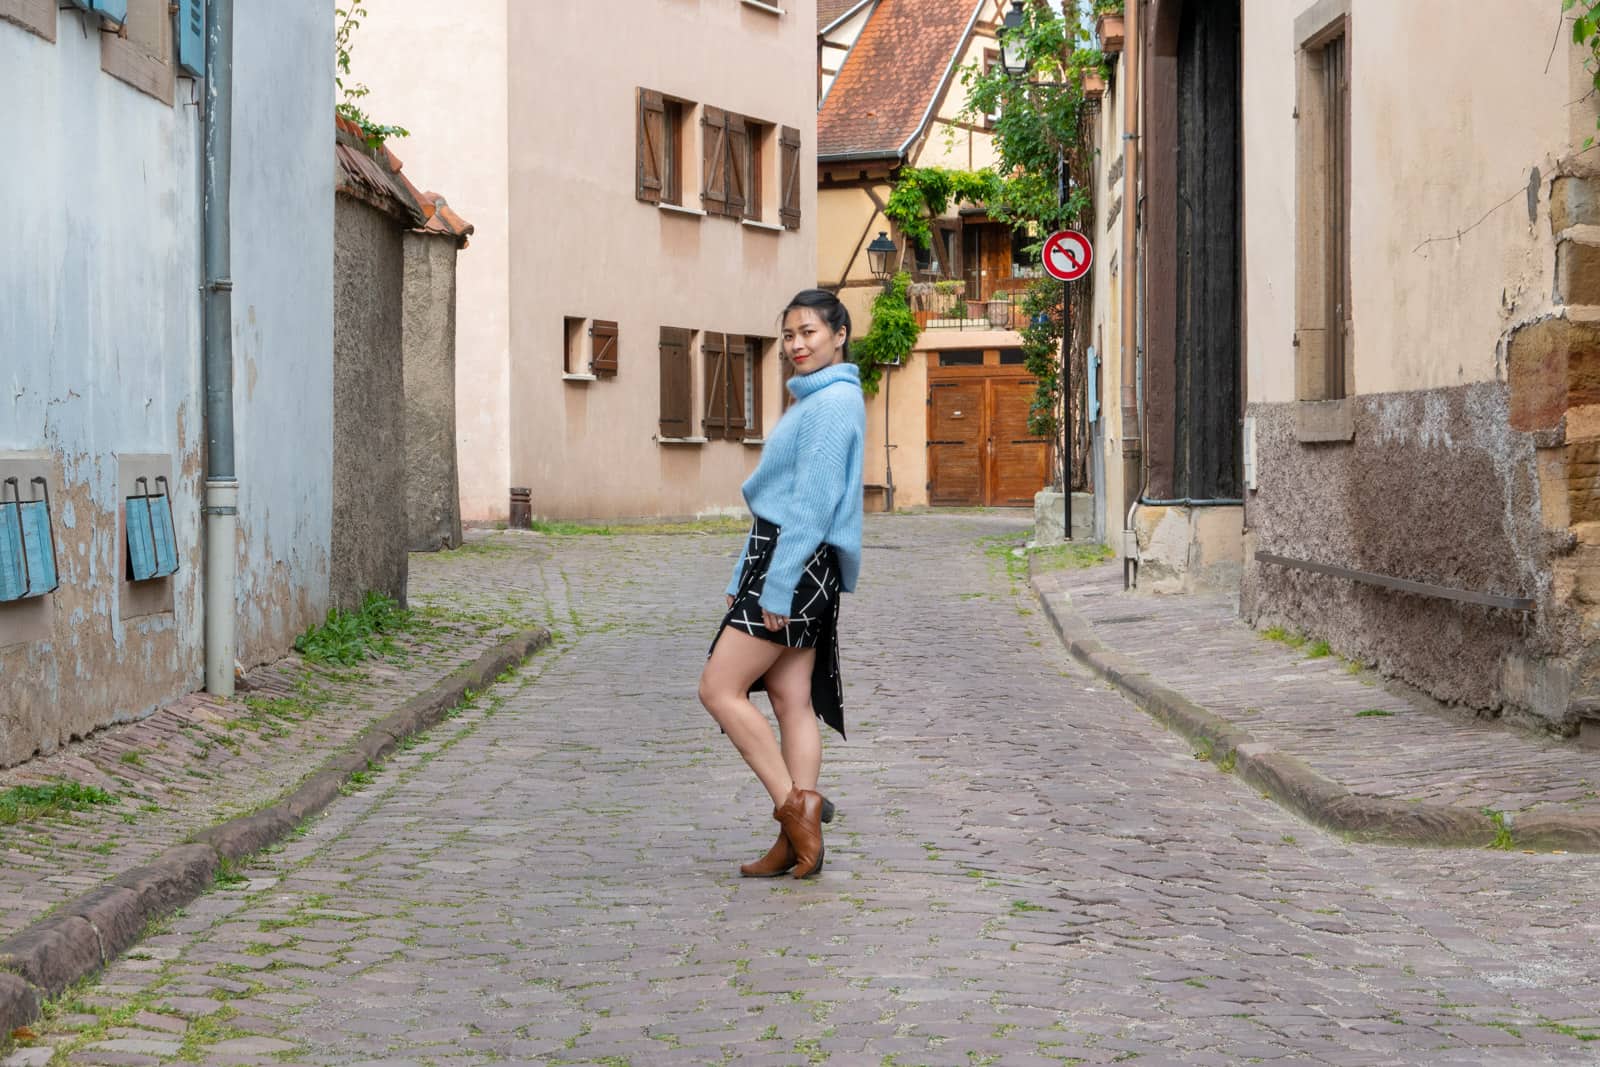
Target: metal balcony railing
947	305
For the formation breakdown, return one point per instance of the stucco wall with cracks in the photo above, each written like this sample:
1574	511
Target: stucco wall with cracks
100	337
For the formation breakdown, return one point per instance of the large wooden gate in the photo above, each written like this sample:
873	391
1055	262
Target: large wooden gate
980	453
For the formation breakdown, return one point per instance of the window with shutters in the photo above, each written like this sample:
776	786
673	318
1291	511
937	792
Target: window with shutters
660	137
677	385
140	52
758	151
36	16
1322	164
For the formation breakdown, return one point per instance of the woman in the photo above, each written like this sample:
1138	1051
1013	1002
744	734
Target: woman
780	632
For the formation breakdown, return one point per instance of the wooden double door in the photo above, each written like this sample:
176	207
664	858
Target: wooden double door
980	453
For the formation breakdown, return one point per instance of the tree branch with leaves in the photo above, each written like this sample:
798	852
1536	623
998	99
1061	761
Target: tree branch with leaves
374	133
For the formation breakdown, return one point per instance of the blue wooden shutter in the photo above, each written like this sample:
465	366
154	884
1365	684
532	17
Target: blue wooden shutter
112	10
141	536
189	34
38	541
166	540
13	566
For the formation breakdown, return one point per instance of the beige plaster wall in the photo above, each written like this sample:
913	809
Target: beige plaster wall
1106	277
844	215
1449	117
440	71
907	395
583	246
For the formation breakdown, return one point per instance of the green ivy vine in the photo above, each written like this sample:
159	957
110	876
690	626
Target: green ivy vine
892	337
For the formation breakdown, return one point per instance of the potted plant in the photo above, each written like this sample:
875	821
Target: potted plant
1090	65
999	310
1108	25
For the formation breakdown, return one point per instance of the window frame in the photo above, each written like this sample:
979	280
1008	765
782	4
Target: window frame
38	17
1324	322
134	60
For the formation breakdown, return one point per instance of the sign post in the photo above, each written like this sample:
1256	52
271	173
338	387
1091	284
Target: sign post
1067	255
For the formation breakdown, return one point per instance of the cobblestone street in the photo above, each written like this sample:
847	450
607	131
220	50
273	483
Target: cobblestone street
1025	869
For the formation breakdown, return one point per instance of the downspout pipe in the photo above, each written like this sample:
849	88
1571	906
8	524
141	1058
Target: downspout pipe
1132	323
221	506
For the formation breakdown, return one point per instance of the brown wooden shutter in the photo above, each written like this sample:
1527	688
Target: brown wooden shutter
603	343
738	168
677	396
789	169
652	146
734	359
715	420
714	154
752	429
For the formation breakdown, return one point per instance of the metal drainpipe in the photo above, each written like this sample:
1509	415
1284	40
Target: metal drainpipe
222	487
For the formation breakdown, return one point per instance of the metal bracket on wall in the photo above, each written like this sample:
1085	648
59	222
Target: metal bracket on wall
1403	585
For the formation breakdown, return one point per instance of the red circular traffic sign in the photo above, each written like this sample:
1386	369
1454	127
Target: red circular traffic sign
1067	255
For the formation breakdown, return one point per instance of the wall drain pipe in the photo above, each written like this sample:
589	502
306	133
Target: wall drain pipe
222	486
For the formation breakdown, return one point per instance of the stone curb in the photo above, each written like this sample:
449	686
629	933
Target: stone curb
84	935
1289	780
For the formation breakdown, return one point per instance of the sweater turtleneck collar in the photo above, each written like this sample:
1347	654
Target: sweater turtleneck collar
803	385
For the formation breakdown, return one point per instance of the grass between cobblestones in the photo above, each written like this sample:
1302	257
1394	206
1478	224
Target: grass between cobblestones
87	1016
24	803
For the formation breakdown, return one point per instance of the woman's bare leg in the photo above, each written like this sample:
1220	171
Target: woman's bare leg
738	660
789	686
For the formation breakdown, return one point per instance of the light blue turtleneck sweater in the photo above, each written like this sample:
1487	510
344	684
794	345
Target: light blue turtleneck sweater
809	482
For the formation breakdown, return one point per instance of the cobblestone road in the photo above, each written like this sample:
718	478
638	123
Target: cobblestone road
1025	869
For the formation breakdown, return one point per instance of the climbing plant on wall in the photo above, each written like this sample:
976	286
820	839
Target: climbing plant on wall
348	20
1586	32
893	335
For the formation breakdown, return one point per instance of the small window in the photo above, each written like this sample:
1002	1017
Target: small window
27	540
927	256
659	167
152	544
755	364
961	359
1012	357
758	139
991	60
1323	319
572	347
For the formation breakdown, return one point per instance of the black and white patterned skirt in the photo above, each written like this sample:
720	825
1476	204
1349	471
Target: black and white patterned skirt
813	617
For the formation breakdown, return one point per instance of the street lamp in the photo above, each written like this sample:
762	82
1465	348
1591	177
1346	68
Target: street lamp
1012	57
880	257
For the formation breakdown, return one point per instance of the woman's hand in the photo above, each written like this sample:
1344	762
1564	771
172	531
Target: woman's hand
730	600
773	622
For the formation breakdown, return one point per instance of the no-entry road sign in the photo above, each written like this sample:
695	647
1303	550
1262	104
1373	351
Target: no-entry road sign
1067	255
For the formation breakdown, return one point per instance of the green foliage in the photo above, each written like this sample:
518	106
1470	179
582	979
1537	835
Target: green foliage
1108	7
374	133
349	637
1041	348
893	334
921	193
23	803
1586	32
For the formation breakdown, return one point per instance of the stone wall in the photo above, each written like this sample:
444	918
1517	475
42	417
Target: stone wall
433	496
369	485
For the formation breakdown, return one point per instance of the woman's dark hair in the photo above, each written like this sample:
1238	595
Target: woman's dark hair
828	309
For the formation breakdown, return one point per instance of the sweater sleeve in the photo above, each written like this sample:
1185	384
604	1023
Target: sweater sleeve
819	484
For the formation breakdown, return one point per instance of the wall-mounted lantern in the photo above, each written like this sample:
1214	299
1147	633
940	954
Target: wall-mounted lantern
880	257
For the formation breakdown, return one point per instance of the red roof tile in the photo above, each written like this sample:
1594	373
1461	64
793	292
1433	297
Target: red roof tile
889	81
373	176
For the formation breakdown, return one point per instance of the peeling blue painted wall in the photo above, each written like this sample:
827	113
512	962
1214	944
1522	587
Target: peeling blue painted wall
100	335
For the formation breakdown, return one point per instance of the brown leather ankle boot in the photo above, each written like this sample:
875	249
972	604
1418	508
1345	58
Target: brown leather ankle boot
779	858
801	817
